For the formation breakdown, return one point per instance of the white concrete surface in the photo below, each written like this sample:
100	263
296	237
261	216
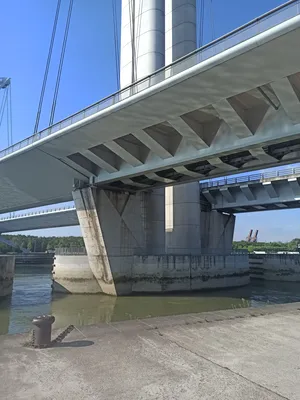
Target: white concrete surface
192	95
237	354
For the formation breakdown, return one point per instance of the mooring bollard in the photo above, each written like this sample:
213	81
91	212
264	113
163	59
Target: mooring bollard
42	330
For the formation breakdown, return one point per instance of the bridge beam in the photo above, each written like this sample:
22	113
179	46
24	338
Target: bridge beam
248	192
288	98
226	193
269	186
294	185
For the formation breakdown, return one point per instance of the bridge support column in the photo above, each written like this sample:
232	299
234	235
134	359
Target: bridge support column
183	229
217	231
182	202
115	226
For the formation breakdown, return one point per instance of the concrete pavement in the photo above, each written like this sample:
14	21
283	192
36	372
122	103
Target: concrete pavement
235	354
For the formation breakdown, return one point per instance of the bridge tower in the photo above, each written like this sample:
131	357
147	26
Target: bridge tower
115	225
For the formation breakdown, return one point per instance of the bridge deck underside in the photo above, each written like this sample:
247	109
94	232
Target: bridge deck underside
277	194
237	111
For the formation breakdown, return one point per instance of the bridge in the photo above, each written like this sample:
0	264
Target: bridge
228	107
182	114
53	218
273	190
276	190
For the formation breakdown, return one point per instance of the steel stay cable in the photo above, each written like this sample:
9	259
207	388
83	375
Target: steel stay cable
61	62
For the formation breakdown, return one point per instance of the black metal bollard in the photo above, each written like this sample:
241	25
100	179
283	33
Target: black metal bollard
42	330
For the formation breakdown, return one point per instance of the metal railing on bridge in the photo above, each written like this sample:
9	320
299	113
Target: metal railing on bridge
36	213
258	25
68	251
261	177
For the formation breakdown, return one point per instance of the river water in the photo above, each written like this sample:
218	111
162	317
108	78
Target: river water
32	296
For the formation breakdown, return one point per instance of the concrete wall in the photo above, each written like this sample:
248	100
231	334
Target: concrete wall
184	273
7	270
157	273
72	274
275	267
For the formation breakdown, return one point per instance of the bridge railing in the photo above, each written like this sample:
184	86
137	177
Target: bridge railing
258	25
288	172
35	213
64	251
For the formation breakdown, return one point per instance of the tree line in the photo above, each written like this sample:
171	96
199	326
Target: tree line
267	246
39	243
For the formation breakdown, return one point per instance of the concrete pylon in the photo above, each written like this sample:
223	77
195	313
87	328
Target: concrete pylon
182	202
142	39
142	53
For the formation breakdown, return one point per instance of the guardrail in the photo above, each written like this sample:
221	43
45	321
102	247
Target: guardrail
35	213
282	173
71	251
258	25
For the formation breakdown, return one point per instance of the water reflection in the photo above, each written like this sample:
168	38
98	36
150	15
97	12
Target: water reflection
32	296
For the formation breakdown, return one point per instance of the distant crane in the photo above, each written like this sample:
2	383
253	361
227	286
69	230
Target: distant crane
250	238
254	239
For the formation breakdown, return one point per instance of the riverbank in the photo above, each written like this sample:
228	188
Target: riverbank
232	354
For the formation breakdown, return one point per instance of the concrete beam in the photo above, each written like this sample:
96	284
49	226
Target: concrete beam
155	145
123	153
227	194
270	189
188	133
262	156
294	184
259	208
79	165
288	98
184	171
218	163
248	192
232	119
155	177
98	157
209	197
128	181
280	205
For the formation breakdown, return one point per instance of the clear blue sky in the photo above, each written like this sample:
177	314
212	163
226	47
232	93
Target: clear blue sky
90	73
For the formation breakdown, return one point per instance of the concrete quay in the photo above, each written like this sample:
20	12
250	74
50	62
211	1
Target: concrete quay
233	354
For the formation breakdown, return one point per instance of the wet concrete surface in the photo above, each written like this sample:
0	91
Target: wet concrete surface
231	354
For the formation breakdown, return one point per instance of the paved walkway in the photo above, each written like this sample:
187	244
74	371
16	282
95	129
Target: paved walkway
234	354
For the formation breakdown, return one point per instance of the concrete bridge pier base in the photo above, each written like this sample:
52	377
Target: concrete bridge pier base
115	226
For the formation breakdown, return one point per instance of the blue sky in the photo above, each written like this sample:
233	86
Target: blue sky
90	73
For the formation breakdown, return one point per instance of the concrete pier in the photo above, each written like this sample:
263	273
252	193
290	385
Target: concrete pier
7	270
226	355
275	267
155	273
